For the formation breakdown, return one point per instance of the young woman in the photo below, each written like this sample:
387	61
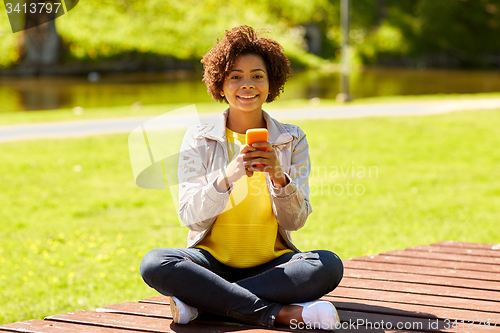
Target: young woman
241	203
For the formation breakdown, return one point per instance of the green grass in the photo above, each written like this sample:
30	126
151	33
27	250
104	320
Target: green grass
10	118
74	226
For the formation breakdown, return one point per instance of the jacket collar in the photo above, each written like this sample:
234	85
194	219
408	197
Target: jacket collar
216	129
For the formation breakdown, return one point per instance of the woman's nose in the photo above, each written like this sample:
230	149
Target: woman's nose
247	83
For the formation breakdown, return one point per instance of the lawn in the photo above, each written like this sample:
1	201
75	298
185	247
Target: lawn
74	226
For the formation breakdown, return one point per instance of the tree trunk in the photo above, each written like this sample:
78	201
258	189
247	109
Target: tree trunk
40	43
382	11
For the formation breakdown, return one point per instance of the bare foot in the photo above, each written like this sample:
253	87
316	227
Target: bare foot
316	314
289	313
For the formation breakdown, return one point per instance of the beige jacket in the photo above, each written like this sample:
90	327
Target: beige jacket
204	156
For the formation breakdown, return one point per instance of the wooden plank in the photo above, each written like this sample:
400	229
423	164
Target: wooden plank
159	299
421	285
159	310
48	326
439	306
392	303
490	307
428	271
376	321
142	309
421	279
494	262
425	289
154	324
483	246
406	310
43	326
429	263
147	324
455	250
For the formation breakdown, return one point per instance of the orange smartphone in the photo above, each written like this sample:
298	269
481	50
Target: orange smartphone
257	135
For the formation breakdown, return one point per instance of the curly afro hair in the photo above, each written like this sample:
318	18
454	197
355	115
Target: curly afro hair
219	61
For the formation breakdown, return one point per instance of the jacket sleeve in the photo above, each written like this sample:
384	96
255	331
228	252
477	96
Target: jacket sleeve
291	202
199	201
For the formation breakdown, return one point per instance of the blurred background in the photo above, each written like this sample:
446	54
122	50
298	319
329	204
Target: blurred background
110	53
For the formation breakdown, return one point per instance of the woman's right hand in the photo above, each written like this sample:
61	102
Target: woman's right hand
234	171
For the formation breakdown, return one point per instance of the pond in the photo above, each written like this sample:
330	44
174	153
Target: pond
43	93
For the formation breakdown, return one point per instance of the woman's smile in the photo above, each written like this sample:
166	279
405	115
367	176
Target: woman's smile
249	98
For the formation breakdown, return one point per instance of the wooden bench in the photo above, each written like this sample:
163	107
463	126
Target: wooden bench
447	286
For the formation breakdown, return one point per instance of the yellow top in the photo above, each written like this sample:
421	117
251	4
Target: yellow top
247	234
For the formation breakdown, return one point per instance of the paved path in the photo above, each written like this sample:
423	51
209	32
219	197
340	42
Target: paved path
126	125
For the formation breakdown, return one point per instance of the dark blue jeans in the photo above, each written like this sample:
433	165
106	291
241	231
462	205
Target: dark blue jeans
252	295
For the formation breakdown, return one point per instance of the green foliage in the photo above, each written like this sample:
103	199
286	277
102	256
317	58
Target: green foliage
462	32
386	41
465	28
96	30
183	29
445	33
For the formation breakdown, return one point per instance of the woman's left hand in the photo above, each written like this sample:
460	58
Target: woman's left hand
265	161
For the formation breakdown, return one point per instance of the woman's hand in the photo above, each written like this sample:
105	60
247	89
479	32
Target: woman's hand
234	171
256	159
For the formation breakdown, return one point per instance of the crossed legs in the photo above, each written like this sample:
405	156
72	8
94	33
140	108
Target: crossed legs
258	295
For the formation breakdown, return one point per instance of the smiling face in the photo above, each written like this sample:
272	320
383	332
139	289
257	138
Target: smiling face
247	85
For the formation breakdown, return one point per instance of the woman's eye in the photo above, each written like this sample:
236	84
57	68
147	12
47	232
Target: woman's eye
235	77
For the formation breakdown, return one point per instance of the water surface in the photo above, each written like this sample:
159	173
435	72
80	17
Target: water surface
44	93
